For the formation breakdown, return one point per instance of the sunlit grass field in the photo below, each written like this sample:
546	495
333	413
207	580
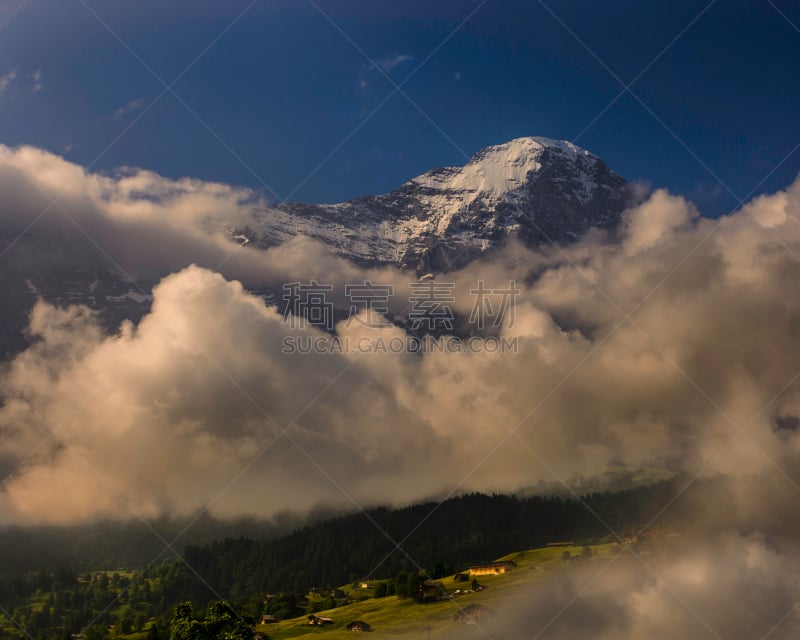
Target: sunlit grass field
394	617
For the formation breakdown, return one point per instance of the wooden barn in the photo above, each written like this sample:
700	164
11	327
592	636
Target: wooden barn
492	569
431	590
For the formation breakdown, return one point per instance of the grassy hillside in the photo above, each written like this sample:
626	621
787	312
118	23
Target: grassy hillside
394	617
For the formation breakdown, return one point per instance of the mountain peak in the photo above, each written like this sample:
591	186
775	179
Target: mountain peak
528	146
499	169
535	188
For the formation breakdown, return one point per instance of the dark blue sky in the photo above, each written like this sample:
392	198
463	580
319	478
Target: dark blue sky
285	86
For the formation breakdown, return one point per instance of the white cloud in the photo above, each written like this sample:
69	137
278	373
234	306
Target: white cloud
132	106
384	64
656	220
393	427
7	80
392	62
36	78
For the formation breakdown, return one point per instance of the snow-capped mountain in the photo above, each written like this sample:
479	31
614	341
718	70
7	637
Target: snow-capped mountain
542	190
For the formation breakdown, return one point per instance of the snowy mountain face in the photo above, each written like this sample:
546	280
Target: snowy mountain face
541	190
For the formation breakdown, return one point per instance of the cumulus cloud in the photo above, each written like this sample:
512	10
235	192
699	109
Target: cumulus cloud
204	389
652	349
655	221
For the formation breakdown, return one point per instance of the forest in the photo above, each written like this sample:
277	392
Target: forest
394	548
